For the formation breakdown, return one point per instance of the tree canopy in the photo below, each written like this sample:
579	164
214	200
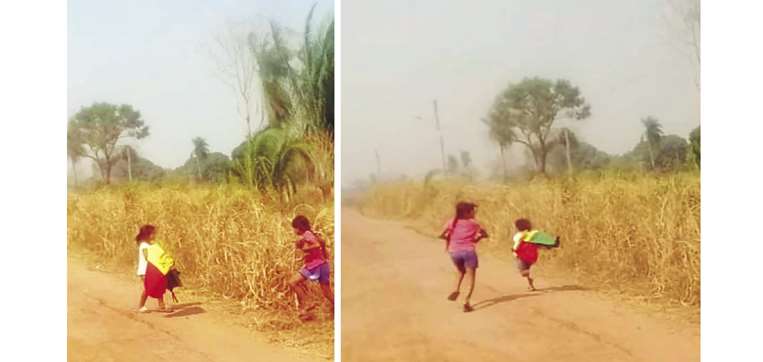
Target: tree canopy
525	113
101	126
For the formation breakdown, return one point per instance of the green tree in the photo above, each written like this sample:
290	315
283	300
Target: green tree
530	108
214	167
131	166
672	153
199	153
274	158
74	149
653	135
101	126
502	133
694	146
297	86
316	79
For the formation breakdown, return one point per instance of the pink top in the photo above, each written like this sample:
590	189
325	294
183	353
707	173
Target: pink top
312	247
462	238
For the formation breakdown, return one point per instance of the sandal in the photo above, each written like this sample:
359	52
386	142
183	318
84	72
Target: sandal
143	310
468	308
453	296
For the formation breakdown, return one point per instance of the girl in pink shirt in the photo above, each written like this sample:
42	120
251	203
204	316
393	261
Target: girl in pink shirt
315	265
461	235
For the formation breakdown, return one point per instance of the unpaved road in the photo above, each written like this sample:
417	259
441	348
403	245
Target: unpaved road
394	308
104	327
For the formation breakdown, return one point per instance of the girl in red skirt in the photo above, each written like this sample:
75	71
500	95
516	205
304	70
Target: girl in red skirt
527	252
157	264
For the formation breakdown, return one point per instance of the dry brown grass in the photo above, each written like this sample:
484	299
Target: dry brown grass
632	232
227	240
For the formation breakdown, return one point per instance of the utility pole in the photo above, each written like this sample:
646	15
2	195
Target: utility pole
129	163
567	146
442	143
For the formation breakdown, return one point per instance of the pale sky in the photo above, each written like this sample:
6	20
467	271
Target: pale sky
398	56
154	55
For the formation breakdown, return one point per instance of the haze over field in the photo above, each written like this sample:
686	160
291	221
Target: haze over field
156	57
627	58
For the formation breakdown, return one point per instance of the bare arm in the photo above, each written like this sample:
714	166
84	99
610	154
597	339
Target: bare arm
481	235
445	236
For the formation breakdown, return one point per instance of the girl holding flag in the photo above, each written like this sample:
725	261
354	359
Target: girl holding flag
157	263
526	243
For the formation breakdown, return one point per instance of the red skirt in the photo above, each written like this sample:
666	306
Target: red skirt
155	283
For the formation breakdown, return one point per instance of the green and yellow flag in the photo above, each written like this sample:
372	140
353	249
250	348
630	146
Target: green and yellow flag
159	258
539	237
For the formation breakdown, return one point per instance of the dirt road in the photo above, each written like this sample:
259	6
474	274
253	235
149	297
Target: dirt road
104	327
394	308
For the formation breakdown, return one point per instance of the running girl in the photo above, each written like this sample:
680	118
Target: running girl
526	251
461	235
315	265
158	264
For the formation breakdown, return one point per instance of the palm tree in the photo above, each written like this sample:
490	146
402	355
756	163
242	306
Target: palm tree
74	148
316	80
275	158
200	152
653	135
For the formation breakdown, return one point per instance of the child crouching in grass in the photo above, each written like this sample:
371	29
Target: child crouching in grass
315	265
526	251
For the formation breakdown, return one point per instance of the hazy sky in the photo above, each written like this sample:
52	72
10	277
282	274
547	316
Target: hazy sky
154	55
397	56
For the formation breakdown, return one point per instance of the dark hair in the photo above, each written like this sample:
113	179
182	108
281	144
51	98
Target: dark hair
463	209
523	224
145	232
301	222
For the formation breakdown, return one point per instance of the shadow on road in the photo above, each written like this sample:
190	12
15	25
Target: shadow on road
538	292
186	309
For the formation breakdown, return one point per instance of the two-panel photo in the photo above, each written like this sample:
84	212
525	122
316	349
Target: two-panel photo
288	180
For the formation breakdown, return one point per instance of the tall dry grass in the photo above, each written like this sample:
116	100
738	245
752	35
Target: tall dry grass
226	239
630	231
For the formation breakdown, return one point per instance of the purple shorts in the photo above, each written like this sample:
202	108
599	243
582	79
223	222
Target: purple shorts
319	273
463	259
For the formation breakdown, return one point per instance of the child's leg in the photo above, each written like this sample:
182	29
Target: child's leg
526	273
459	279
294	284
325	282
458	262
328	293
470	276
162	306
143	298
